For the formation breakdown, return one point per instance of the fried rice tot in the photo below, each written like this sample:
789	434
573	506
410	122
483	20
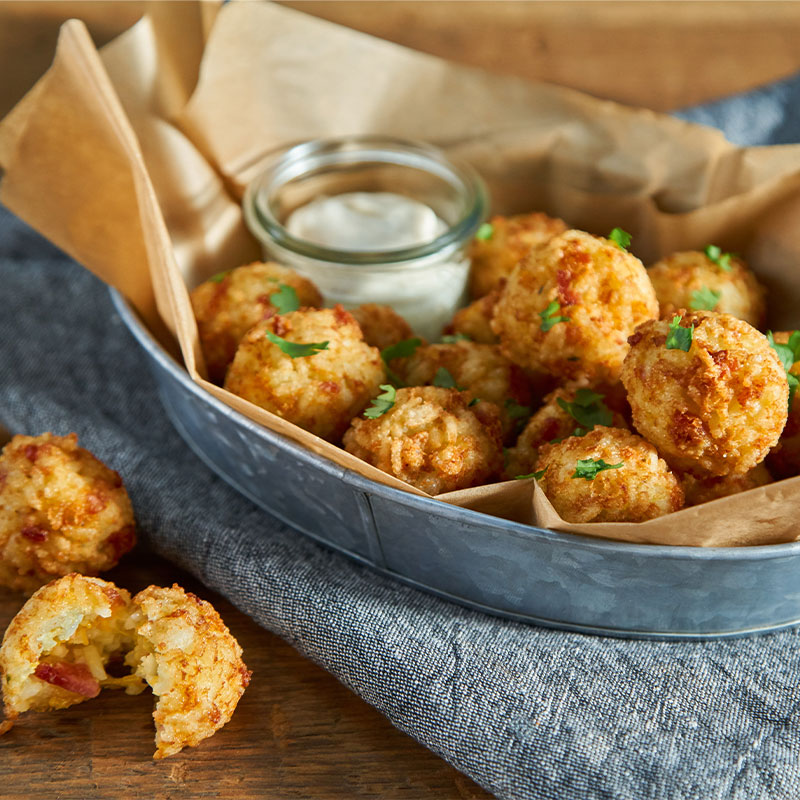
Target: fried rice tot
509	239
703	490
61	510
55	650
570	305
692	280
608	475
382	326
479	369
567	411
191	661
431	438
475	320
228	305
320	390
715	408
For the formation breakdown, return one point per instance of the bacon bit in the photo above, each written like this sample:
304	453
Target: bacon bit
635	338
116	479
214	715
246	675
31	452
330	386
342	317
280	326
264	299
34	533
122	540
73	677
95	503
268	313
565	292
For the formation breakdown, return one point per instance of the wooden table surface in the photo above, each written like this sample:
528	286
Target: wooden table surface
298	732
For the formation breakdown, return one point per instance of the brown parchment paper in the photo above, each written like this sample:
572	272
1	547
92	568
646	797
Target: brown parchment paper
133	160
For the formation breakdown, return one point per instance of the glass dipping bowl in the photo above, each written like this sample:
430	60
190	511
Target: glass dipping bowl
425	283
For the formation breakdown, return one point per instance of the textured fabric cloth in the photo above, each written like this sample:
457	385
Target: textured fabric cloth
526	712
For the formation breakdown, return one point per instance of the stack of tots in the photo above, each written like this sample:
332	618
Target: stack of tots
62	511
626	392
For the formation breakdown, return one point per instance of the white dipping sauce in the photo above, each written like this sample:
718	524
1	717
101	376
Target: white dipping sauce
425	291
365	221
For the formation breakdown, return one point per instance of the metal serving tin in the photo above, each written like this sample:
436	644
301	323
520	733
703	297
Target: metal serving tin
505	568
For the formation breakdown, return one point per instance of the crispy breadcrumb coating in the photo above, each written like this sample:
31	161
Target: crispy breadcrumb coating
702	490
784	458
716	409
553	422
570	305
475	320
642	488
382	326
432	439
56	648
480	369
494	258
190	660
320	392
231	303
692	280
61	510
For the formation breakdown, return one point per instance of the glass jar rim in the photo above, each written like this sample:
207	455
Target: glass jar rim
297	159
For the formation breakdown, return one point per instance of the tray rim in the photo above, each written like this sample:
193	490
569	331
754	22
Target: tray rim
429	504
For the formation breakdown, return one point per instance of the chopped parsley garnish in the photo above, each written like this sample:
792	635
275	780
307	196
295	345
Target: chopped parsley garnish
295	349
621	238
382	403
587	409
704	299
452	338
485	231
549	317
402	349
537	476
219	277
722	260
444	380
788	353
473	402
679	338
285	299
589	467
515	410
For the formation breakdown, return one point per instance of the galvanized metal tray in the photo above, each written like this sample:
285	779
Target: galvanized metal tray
504	568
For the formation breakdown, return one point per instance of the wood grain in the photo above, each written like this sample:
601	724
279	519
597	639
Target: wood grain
297	732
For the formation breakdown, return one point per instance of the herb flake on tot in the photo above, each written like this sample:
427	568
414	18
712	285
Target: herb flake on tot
679	337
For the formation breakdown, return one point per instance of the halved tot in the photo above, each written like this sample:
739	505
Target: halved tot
56	651
192	663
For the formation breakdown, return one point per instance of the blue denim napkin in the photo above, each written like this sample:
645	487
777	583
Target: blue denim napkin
526	712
